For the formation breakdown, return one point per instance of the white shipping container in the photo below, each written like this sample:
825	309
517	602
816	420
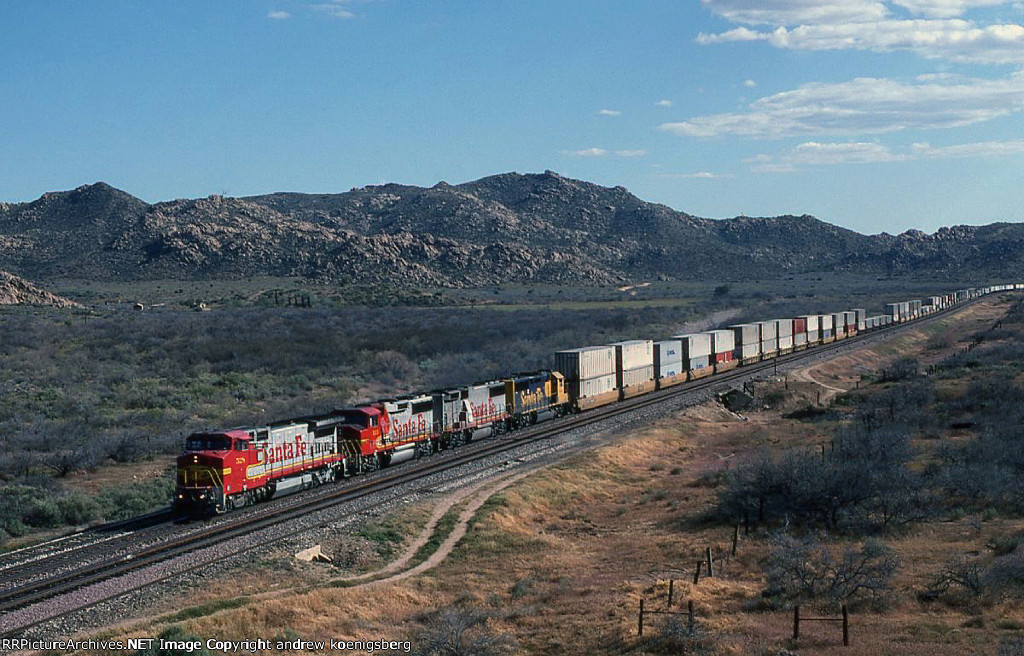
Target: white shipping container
722	341
826	322
786	342
636	376
748	350
580	389
586	362
634	353
699	363
784	328
669	369
746	333
799	339
695	344
769	346
839	322
669	350
813	322
766	330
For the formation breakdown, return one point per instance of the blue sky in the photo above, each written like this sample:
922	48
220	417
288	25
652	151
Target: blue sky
876	115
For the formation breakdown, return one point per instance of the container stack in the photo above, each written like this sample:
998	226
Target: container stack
723	349
784	330
813	327
862	316
634	367
851	323
668	363
915	308
768	332
799	333
827	329
589	374
839	325
748	342
696	354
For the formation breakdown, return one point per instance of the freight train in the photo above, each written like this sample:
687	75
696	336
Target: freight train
219	471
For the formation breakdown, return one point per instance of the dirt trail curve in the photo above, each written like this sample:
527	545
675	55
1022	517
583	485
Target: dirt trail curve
477	495
807	375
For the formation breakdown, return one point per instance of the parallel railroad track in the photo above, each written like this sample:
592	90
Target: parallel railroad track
36	589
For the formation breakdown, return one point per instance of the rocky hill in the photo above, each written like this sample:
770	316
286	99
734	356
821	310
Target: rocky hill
508	227
18	291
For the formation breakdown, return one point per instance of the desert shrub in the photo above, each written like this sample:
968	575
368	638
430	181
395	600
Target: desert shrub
134	499
461	632
77	508
864	485
968	580
902	369
807	570
674	637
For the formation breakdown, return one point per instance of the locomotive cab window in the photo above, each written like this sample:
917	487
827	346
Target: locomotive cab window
208	443
356	418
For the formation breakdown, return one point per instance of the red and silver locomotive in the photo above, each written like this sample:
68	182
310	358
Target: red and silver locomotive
223	470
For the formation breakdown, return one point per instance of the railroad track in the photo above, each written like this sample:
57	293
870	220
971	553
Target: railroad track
167	544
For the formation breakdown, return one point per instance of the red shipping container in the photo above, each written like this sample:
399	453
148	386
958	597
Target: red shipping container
799	325
724	357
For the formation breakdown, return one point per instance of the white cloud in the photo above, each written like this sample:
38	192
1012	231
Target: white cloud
749	84
602	152
813	153
864	106
953	39
796	12
279	15
945	8
978	149
586	152
698	175
610	112
663	103
334	9
934	29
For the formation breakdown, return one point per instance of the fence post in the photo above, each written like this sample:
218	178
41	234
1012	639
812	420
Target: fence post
711	566
671	584
735	538
640	621
846	627
696	573
796	620
689	612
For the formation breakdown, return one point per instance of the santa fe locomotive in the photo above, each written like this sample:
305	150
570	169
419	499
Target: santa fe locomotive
223	470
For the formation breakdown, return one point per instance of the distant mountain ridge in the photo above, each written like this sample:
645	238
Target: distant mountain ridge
504	228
